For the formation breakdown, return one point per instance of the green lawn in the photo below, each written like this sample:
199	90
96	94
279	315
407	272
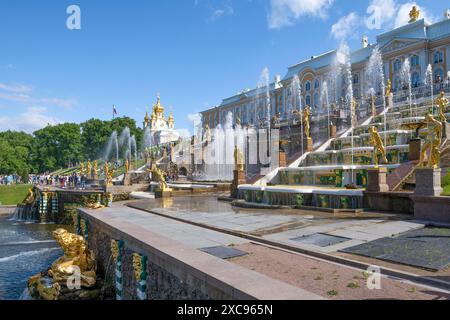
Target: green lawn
14	194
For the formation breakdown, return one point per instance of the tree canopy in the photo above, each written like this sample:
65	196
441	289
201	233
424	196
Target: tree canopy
59	146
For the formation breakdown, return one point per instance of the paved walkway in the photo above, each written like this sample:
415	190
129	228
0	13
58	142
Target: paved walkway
284	225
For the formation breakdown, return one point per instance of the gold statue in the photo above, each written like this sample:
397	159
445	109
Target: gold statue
108	174
306	115
432	143
388	88
137	266
378	146
238	159
82	170
77	261
95	168
30	197
414	14
127	166
160	176
442	103
89	168
76	256
238	121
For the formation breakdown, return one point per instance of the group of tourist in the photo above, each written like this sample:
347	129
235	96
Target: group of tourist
10	179
73	181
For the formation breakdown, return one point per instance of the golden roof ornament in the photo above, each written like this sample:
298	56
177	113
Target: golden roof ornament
146	118
414	14
171	119
158	108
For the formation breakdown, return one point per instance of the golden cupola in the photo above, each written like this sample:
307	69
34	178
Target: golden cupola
146	119
158	109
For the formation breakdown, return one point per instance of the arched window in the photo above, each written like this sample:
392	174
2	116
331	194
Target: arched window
316	84
439	75
397	65
308	86
308	101
397	84
355	79
415	79
415	60
438	57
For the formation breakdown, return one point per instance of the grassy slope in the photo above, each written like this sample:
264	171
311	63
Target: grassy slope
14	194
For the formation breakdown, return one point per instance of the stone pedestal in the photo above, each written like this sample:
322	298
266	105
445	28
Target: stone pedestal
282	159
414	149
428	182
377	180
309	145
238	179
163	194
333	131
127	179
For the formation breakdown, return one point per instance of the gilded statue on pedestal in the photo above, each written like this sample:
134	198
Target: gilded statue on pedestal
77	263
108	174
378	146
160	176
414	14
127	166
95	168
89	168
442	103
29	199
432	143
306	115
238	159
388	88
82	169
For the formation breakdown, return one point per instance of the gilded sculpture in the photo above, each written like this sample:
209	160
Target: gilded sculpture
115	250
95	168
432	143
82	169
29	199
306	115
137	266
414	14
442	103
127	166
108	174
238	159
89	168
378	146
388	88
160	176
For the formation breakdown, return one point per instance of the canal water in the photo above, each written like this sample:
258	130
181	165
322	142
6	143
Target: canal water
25	250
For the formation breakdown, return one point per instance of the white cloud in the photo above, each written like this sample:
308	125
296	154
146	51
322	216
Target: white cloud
194	118
402	17
34	118
345	26
184	133
220	12
24	94
286	12
384	10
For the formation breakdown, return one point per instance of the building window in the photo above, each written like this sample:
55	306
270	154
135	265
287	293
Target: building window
438	57
415	79
397	65
355	79
308	86
308	101
415	61
316	84
397	84
439	75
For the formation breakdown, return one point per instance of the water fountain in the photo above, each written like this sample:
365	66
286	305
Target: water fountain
297	91
406	81
325	100
113	143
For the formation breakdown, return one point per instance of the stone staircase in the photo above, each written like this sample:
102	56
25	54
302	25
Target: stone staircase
401	176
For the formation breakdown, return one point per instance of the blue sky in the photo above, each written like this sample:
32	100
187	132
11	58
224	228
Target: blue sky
192	52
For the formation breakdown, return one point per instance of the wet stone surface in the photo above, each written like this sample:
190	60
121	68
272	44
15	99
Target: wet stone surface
427	248
321	239
223	252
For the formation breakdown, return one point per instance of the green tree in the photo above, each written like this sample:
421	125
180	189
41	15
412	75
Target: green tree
94	137
57	147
